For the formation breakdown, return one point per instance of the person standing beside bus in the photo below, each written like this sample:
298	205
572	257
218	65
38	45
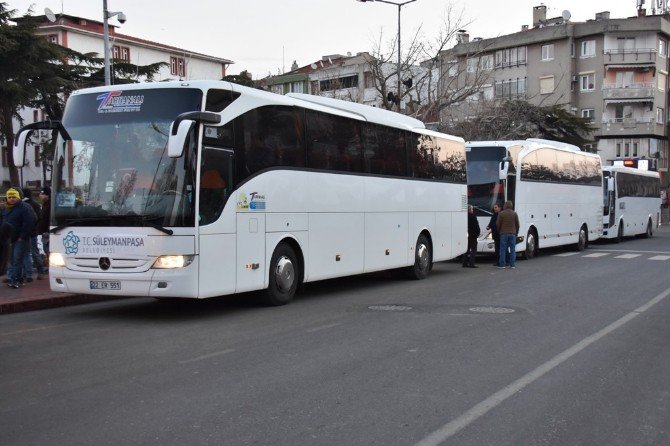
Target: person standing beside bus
473	233
494	232
21	218
507	224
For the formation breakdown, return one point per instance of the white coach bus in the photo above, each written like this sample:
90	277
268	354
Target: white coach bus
632	202
200	189
556	190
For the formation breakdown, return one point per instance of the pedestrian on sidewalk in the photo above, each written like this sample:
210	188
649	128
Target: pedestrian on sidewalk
32	256
473	233
494	232
44	222
20	217
508	227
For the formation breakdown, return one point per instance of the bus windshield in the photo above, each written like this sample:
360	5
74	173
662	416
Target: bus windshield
115	170
484	186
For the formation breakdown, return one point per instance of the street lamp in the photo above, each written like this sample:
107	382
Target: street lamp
106	15
399	5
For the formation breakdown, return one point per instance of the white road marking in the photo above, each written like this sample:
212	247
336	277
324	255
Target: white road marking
566	254
597	254
210	355
323	327
631	250
627	256
480	409
42	328
659	258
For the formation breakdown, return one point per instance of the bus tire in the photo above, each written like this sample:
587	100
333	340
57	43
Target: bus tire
284	276
531	245
582	238
423	259
619	234
650	230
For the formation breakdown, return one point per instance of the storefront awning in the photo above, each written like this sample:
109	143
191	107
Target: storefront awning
628	101
632	65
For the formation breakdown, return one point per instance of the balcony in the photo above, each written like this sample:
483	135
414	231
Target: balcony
630	56
639	92
630	127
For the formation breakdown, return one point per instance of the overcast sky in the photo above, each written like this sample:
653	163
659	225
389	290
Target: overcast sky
266	36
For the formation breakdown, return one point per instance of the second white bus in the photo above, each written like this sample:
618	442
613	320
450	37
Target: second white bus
632	202
556	190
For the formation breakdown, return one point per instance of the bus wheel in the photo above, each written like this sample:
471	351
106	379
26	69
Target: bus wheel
423	259
531	245
619	234
283	276
583	240
650	231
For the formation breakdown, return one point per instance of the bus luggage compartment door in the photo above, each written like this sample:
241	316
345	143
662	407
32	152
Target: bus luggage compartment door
251	268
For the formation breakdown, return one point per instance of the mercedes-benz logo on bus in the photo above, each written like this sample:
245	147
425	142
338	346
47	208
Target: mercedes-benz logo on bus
104	263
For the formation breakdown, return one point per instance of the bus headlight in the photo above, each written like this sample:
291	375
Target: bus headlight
172	262
56	259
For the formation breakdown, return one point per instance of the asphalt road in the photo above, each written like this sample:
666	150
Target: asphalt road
568	349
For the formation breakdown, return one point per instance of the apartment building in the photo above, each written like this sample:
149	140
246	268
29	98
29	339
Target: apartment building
86	36
613	71
351	78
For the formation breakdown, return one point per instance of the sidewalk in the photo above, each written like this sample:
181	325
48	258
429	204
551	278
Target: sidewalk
37	296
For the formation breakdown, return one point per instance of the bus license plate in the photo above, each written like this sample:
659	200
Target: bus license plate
105	285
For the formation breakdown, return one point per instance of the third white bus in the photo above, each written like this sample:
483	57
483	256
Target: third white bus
632	202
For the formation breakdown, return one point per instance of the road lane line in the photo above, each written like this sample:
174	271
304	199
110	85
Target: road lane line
630	250
627	256
566	254
210	355
323	327
480	409
659	258
597	254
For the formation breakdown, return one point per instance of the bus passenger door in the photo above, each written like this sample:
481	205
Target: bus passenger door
251	269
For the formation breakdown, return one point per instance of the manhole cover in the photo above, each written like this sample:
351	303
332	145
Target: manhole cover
389	307
493	310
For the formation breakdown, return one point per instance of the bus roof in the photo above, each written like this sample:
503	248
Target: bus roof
530	142
631	170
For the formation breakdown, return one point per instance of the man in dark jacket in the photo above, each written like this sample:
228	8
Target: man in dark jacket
508	227
44	222
494	231
21	218
473	233
32	251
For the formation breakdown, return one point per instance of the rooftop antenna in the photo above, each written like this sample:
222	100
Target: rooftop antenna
566	15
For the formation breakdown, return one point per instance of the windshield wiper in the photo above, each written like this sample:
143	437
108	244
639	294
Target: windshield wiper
141	219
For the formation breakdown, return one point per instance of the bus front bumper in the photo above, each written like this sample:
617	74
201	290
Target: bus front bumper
179	282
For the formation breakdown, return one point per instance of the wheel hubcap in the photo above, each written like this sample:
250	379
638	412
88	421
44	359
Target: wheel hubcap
530	245
582	237
284	274
422	255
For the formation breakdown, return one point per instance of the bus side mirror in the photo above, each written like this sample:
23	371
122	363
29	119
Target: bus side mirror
177	139
504	167
19	149
610	184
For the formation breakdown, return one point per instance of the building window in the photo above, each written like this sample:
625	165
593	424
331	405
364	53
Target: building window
472	64
487	62
36	115
548	52
177	66
52	38
369	79
339	83
625	43
512	88
662	80
546	84
659	115
662	47
587	82
510	57
37	156
572	49
589	114
618	150
278	89
315	87
589	48
626	149
296	87
635	151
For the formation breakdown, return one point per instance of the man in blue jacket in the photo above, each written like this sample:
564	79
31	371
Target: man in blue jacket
20	218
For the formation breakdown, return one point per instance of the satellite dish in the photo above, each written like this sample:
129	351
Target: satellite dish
50	15
313	66
566	15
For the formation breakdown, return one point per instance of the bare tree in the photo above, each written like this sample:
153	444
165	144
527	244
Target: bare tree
432	75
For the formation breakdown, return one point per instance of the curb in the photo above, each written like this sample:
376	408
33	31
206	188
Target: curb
53	302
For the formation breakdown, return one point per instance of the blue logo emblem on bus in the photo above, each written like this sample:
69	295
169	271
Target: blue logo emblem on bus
257	201
71	243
